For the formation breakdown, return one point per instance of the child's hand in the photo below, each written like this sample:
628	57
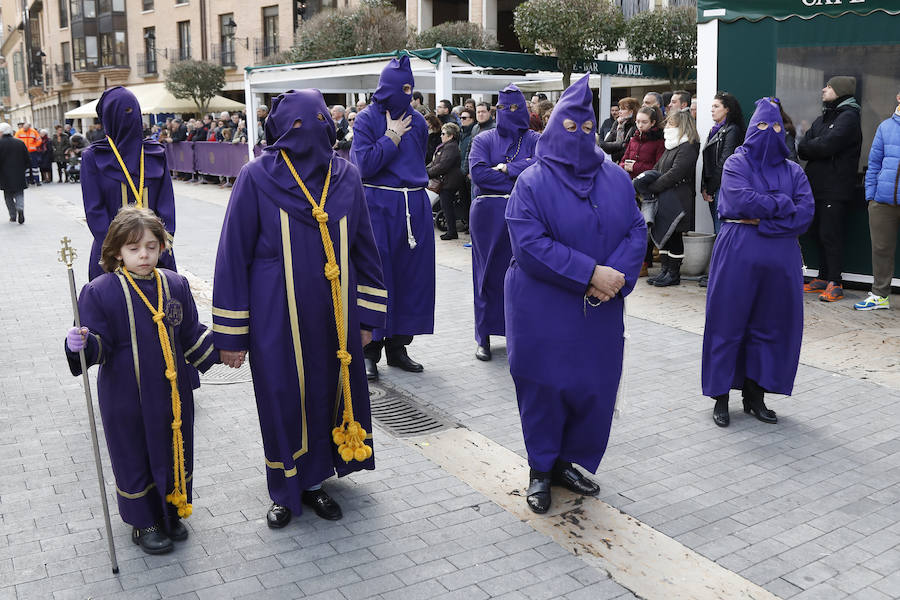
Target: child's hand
232	358
76	338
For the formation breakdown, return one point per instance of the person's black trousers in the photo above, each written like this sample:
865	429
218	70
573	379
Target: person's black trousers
372	351
828	230
448	197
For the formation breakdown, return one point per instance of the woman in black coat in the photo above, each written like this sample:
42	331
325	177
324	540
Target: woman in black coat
445	168
677	166
725	136
434	137
618	137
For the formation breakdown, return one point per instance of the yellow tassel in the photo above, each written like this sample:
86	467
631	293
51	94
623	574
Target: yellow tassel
178	497
349	437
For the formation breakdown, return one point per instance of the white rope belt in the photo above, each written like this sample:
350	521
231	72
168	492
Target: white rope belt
492	196
410	239
737	221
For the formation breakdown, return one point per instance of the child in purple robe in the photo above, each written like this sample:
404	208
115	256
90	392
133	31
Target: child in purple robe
139	323
389	143
121	170
754	306
578	240
496	160
274	296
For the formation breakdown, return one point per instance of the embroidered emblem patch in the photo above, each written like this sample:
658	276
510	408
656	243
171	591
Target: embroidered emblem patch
174	313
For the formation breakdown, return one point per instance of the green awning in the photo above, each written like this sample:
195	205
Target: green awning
755	10
498	60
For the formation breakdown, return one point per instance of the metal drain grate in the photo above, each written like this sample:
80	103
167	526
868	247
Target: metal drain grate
222	375
401	415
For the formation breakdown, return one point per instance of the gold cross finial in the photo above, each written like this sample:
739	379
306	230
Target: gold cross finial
67	253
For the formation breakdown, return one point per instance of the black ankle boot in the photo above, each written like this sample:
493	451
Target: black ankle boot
664	263
720	411
672	276
754	402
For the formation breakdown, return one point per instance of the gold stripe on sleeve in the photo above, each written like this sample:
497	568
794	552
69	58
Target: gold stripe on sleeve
365	289
371	305
206	354
231	330
230	314
193	348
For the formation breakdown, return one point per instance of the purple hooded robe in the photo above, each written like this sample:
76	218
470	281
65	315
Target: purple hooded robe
512	143
569	212
105	188
271	296
401	220
132	390
754	304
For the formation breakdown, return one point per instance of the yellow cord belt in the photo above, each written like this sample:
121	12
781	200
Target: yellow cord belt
138	196
350	437
178	497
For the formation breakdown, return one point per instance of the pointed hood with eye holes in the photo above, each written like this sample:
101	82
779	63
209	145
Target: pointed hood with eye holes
389	94
512	124
120	114
309	148
573	156
766	148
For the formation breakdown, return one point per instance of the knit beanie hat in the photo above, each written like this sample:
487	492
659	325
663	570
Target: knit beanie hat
843	85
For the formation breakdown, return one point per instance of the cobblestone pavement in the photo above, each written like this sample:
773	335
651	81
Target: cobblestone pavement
808	509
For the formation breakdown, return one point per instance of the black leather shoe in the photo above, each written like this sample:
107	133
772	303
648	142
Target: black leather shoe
569	477
762	413
449	236
371	370
152	540
278	516
483	352
21	217
538	495
399	358
720	412
323	504
178	532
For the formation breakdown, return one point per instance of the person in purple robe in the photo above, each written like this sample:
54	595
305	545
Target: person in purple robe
271	297
578	241
137	401
389	142
113	168
754	305
496	159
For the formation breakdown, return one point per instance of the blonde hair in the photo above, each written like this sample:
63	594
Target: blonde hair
452	129
684	122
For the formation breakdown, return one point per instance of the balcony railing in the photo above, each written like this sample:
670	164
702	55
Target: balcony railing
264	50
147	65
223	54
63	73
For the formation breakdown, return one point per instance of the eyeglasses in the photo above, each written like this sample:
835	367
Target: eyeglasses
465	118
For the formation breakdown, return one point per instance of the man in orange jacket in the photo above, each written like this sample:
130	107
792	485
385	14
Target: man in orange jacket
32	140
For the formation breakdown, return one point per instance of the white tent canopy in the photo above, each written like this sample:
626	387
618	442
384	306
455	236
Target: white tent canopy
155	98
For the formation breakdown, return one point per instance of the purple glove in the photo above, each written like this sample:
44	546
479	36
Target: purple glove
76	339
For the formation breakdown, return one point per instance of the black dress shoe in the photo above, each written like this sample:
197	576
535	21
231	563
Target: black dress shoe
449	236
569	477
178	532
152	540
483	352
323	504
278	516
371	370
762	413
21	217
538	494
399	358
720	411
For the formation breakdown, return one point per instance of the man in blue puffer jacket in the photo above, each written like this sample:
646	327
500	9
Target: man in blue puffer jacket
883	194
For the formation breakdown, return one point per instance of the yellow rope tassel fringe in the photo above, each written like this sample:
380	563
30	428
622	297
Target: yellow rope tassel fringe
178	497
350	437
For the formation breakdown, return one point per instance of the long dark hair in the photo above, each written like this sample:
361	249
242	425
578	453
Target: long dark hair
735	114
788	123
